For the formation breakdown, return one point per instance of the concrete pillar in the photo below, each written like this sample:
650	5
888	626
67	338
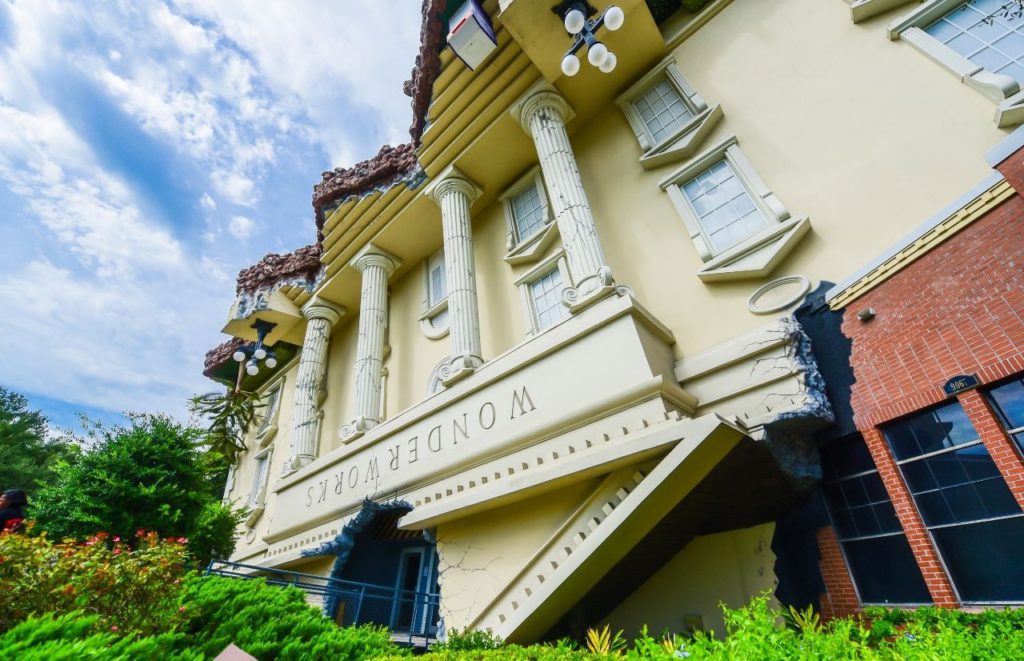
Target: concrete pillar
454	193
321	317
376	266
543	115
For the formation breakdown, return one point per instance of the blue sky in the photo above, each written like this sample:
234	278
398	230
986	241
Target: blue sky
148	151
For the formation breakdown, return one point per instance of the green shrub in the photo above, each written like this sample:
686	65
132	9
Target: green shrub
134	590
468	640
271	623
75	635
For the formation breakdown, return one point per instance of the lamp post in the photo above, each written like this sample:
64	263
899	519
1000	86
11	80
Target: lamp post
583	30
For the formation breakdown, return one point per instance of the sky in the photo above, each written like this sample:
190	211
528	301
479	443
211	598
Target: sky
149	150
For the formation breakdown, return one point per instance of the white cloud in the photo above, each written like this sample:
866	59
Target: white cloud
113	307
241	227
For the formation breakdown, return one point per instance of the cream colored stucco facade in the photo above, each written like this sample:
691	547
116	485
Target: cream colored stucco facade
539	470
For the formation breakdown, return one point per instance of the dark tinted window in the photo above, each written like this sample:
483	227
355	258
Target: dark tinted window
1008	401
876	550
973	517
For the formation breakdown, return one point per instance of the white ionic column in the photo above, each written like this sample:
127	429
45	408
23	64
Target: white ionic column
454	193
376	266
321	316
543	115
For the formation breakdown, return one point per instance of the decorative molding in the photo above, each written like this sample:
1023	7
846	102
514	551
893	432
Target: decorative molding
370	256
861	10
803	285
524	251
450	180
686	139
999	88
759	253
687	29
757	256
968	213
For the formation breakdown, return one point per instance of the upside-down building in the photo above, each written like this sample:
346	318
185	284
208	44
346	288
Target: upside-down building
743	314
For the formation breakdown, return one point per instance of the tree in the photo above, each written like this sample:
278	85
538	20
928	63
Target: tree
150	476
28	455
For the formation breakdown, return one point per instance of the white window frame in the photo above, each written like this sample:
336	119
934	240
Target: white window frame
999	88
759	253
525	250
433	309
861	10
267	428
257	499
524	282
685	140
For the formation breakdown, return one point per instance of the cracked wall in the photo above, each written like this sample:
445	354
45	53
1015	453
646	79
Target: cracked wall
479	555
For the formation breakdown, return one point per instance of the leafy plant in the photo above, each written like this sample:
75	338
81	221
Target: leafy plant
271	623
129	587
152	475
468	640
601	641
29	454
230	415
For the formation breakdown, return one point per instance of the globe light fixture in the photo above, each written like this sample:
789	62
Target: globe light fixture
609	63
570	65
597	53
256	352
574	15
575	21
614	17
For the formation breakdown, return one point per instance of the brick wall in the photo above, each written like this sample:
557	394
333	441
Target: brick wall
959	309
840	598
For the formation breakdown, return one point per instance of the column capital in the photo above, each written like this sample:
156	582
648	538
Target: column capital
452	179
318	308
371	255
540	99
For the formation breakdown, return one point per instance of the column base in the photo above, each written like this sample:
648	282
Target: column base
356	428
458	369
592	289
297	462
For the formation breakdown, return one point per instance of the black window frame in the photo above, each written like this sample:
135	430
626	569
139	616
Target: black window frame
844	539
934	529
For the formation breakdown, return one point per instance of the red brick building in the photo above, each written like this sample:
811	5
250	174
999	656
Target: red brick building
925	496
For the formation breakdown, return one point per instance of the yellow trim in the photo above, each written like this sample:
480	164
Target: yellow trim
966	215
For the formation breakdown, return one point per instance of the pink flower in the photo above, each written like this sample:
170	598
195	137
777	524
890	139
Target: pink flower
113	628
117	539
183	540
181	610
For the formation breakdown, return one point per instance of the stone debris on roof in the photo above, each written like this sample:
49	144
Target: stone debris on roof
391	163
220	354
302	265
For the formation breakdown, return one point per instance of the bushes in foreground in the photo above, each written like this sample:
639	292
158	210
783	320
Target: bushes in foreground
758	631
267	622
107	599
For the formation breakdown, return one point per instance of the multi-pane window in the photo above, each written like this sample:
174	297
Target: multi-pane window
975	521
259	480
986	35
876	550
269	409
1008	401
546	298
723	206
528	211
437	285
662	110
